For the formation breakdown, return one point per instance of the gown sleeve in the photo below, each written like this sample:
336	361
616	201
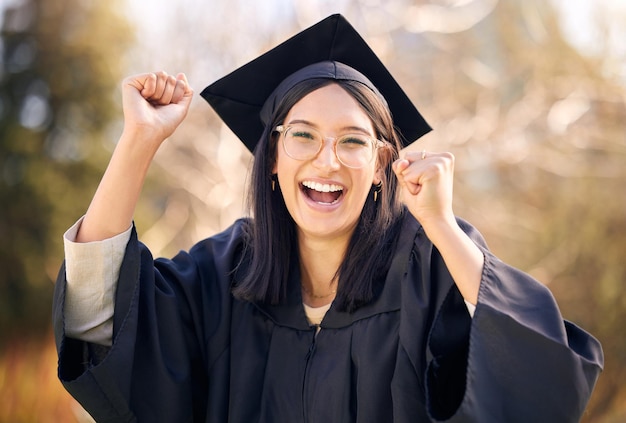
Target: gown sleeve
516	360
166	334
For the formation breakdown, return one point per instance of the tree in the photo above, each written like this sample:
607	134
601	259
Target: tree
60	68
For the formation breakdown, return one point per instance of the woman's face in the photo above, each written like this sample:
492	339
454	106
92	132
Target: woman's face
325	197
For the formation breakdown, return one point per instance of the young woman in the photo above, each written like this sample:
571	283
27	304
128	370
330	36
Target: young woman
333	301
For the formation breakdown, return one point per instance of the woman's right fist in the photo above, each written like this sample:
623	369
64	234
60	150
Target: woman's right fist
155	104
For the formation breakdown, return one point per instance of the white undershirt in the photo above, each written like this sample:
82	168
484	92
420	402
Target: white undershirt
91	270
315	315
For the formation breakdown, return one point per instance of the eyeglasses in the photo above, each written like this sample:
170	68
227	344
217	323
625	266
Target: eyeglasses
302	142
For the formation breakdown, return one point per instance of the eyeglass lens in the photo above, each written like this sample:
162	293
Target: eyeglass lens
353	150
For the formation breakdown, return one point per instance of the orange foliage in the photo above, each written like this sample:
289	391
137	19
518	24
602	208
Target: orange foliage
29	388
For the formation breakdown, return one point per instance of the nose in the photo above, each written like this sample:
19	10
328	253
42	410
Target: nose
327	159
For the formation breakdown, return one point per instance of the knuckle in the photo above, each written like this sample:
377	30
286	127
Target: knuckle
413	155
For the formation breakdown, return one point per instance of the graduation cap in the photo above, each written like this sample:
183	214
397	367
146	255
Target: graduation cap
332	48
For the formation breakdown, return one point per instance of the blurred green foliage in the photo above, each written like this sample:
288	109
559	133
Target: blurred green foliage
59	71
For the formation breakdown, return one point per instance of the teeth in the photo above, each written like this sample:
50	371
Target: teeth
322	187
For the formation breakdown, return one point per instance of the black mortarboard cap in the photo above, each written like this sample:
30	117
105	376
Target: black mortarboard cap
239	97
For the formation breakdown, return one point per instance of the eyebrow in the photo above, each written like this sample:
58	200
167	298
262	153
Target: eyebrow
344	129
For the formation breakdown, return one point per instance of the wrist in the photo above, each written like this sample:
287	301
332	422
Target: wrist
436	226
141	137
445	232
137	147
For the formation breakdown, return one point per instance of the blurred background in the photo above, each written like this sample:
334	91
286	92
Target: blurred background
529	95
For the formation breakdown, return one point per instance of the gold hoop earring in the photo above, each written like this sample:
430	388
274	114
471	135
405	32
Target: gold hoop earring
377	188
273	180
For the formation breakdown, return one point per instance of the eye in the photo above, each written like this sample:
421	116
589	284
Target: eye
354	141
304	136
300	133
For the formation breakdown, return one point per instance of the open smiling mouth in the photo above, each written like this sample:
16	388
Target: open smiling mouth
322	193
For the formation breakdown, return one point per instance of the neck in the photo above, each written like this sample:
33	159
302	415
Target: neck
319	262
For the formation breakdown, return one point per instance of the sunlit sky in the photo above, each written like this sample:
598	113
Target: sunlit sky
583	21
579	21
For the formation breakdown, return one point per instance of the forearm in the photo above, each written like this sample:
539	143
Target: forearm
462	256
113	205
154	105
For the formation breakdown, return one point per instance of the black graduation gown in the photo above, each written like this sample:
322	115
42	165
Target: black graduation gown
185	350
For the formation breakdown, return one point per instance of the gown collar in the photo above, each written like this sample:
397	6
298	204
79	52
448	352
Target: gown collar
291	313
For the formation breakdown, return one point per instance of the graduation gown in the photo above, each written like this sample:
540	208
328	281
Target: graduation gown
185	350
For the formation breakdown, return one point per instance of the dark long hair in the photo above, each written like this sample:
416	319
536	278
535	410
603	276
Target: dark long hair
271	245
